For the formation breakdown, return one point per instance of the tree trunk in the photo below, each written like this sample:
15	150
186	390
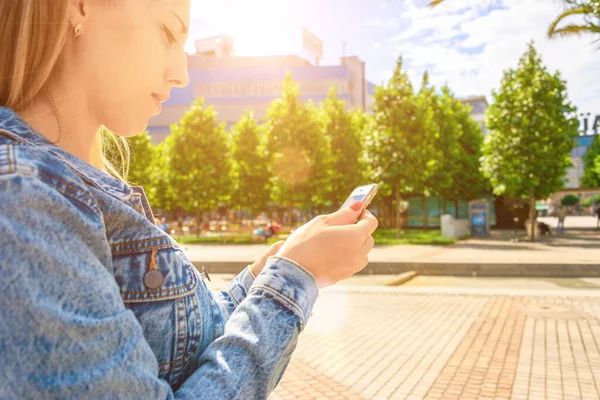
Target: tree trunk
198	222
424	211
334	202
456	209
398	215
532	218
391	213
290	211
388	219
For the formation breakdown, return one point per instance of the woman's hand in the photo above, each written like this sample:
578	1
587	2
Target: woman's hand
332	247
257	266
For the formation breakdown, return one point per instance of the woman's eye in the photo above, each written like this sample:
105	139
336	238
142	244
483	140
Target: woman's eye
170	36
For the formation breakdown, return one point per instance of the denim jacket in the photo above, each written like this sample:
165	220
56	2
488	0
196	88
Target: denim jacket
97	302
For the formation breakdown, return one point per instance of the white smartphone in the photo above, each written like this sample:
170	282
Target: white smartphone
363	193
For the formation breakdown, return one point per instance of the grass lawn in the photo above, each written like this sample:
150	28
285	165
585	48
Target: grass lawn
223	239
388	237
382	237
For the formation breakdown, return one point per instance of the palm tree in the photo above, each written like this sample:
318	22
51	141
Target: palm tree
588	9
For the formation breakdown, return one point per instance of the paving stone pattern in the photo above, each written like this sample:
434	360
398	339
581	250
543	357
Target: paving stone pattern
393	345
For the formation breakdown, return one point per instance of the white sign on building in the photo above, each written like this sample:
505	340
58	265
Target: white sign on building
588	125
312	44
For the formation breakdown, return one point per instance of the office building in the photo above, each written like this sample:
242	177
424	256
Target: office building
233	85
478	106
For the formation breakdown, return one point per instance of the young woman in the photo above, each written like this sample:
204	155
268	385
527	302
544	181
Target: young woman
96	300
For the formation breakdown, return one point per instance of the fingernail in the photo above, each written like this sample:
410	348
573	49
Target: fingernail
356	205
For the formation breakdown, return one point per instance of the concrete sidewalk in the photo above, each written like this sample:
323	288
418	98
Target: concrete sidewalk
393	343
575	254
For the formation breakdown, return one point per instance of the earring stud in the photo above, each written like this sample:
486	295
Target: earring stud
78	30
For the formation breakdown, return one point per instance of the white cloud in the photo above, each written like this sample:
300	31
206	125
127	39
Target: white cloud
500	37
447	16
373	22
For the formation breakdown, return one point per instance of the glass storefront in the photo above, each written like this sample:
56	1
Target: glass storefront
436	206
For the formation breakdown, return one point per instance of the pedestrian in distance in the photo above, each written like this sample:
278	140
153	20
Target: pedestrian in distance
561	215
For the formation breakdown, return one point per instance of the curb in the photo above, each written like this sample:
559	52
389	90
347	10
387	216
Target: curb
457	291
539	270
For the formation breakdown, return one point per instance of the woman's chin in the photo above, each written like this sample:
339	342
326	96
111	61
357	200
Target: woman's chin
128	129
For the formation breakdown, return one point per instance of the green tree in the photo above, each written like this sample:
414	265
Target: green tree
591	201
199	157
143	153
439	143
588	10
343	133
404	159
591	164
464	158
297	151
250	172
569	200
533	127
162	193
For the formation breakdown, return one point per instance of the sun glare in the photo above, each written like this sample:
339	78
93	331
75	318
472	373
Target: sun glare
260	27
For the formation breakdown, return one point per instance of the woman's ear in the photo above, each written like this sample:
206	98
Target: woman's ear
78	11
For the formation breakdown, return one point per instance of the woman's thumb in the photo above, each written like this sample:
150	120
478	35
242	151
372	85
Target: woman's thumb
273	249
259	264
347	215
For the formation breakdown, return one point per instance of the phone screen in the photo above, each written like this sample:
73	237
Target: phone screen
354	198
361	193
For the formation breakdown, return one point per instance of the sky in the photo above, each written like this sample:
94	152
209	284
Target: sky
464	43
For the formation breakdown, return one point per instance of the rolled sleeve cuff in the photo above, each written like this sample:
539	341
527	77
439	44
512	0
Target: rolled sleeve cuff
239	287
291	283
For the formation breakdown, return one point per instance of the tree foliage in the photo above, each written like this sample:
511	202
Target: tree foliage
463	156
297	150
533	127
591	201
342	130
591	164
588	12
401	153
142	155
569	200
198	155
250	172
162	193
404	152
309	158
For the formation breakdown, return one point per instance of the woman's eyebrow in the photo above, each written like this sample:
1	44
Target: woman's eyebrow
184	28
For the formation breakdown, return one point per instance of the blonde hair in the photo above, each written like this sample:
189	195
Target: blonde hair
33	34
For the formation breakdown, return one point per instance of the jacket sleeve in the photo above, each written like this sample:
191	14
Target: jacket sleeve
70	335
248	361
236	291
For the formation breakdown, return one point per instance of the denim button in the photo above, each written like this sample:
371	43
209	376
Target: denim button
153	279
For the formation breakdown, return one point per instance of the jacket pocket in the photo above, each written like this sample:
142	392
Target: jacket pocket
158	283
152	270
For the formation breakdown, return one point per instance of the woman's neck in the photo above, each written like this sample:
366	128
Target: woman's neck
64	121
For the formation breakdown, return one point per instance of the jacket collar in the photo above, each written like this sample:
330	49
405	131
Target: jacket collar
18	129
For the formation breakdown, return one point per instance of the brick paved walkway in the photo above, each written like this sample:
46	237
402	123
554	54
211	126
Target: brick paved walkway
370	344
